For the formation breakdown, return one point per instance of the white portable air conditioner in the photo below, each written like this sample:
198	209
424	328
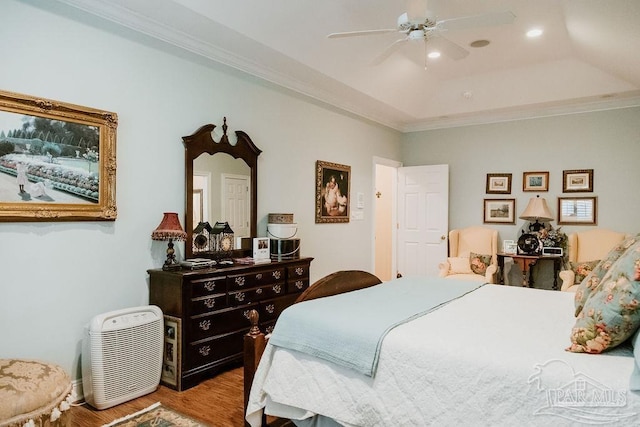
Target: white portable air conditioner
122	355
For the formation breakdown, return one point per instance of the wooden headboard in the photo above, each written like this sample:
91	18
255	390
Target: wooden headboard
255	340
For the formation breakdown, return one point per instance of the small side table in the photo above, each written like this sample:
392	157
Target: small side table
525	262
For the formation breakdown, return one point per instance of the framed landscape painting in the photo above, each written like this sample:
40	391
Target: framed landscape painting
498	183
577	181
499	211
57	160
535	181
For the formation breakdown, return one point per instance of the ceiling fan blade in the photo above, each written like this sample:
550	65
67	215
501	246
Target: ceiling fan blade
361	33
388	51
485	20
446	47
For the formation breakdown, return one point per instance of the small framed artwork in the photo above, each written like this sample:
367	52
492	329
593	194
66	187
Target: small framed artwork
577	181
498	183
509	247
332	192
499	211
535	181
57	161
577	210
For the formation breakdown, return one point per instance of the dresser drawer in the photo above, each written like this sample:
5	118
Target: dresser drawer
297	285
255	279
210	350
220	322
271	309
208	286
208	303
297	271
256	294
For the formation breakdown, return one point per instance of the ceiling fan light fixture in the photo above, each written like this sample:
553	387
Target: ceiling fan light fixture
416	35
433	55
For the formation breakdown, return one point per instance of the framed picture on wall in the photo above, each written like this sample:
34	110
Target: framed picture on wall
577	210
499	211
577	181
535	181
57	160
498	183
332	192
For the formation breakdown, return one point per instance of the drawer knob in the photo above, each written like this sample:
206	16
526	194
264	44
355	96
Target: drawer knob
210	302
259	276
270	308
259	291
240	281
239	296
299	284
210	285
277	289
205	325
276	274
299	271
204	350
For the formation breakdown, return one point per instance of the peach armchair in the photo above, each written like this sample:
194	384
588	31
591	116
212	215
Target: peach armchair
482	243
584	250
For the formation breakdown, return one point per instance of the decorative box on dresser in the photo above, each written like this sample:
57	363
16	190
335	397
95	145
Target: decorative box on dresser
206	313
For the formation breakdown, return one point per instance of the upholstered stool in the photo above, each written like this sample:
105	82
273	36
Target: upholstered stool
33	394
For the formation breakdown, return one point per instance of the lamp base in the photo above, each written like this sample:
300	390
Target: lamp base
170	263
536	226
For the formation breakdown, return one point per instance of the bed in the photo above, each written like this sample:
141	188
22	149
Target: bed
494	355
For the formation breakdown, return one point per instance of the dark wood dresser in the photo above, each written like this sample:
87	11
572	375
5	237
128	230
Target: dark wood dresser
206	313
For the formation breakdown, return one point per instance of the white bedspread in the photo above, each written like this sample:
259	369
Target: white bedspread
494	357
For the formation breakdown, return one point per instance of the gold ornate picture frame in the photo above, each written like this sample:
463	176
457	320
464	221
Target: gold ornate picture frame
57	160
332	192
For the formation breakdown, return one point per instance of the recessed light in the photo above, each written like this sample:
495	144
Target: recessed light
433	55
479	43
535	32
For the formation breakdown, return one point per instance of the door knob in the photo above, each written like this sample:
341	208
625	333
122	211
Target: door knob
443	237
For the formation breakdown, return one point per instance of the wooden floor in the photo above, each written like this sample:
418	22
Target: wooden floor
217	402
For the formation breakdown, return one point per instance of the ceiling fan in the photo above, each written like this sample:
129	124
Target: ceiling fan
418	24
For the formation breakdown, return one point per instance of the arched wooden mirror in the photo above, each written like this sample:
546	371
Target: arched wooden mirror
210	168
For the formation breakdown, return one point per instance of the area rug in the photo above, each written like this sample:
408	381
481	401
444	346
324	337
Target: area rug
156	415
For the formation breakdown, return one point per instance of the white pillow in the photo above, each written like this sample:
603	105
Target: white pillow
459	265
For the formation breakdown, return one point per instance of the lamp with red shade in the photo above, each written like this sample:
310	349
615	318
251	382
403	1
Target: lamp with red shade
169	230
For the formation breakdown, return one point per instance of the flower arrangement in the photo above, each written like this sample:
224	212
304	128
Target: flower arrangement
555	238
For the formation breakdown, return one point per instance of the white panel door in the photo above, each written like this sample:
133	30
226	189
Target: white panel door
235	203
423	219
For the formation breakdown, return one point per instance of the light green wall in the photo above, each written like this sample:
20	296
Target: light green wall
56	276
607	142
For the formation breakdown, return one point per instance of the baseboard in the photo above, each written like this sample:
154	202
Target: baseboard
77	391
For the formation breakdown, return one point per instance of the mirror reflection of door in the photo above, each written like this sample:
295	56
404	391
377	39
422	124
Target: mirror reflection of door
201	197
235	203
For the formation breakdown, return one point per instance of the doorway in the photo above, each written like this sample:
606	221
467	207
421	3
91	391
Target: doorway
416	242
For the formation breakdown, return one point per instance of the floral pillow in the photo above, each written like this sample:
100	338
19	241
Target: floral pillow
479	263
582	269
459	266
593	279
612	311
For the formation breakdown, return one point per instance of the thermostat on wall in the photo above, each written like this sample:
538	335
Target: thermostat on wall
551	251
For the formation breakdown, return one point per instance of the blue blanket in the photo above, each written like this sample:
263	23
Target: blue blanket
348	329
